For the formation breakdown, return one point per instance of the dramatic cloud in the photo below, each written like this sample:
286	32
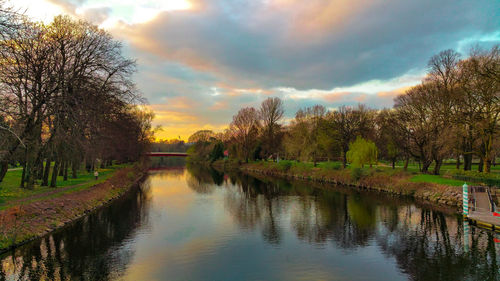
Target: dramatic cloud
202	60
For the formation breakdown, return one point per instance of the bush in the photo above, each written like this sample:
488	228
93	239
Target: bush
356	173
490	179
285	165
330	165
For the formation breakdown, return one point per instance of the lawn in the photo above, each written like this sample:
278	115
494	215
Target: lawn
436	179
385	167
10	190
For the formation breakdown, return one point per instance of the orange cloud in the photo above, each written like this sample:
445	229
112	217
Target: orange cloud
335	96
314	17
394	93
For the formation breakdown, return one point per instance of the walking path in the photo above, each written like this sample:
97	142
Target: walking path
481	214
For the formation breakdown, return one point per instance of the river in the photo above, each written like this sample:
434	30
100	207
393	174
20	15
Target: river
198	224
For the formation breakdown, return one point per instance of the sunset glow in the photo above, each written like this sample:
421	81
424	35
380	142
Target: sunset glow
199	61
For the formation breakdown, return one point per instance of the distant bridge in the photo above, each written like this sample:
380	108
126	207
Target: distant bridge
166	154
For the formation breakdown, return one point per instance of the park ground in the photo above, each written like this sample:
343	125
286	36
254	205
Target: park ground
28	214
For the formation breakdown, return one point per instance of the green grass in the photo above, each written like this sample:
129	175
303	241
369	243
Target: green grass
382	167
10	190
436	179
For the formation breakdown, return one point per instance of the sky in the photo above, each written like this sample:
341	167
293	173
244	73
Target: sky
200	61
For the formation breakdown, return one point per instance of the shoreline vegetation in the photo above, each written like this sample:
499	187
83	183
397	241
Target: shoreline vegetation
396	182
69	110
437	135
40	214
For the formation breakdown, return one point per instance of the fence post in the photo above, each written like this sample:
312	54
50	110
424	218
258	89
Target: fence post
465	196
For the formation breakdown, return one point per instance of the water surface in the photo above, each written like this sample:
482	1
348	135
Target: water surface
198	224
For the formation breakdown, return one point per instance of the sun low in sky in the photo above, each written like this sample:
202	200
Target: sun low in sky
199	61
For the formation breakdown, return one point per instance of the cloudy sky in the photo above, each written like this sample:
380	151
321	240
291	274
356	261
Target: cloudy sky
199	61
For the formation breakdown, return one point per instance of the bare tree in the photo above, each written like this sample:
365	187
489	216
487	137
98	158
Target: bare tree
245	126
271	112
480	103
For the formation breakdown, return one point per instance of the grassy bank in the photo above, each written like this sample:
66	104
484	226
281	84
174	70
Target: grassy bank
27	215
11	194
431	188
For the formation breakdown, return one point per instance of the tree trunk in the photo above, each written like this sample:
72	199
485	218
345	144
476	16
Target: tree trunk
55	170
4	166
39	168
467	162
437	167
487	165
61	170
393	164
458	162
406	163
23	175
480	166
425	166
74	168
66	164
344	159
46	172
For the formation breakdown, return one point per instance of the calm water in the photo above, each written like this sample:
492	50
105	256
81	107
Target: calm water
197	224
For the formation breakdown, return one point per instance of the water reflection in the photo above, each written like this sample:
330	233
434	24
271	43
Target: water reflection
203	224
89	249
427	245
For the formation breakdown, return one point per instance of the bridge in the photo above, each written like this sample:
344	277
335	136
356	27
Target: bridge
166	154
483	210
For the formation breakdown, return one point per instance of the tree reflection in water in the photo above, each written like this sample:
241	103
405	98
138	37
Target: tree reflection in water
427	244
90	243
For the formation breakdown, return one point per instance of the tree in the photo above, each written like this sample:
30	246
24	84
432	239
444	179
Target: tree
245	127
391	137
351	122
201	136
480	103
271	112
66	90
362	152
303	141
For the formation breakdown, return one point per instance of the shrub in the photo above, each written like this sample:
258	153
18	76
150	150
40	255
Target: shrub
331	166
356	173
285	165
490	179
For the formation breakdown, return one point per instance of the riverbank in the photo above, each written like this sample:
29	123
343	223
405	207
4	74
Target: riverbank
395	182
31	219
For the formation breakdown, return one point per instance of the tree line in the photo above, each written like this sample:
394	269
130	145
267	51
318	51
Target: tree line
66	99
452	113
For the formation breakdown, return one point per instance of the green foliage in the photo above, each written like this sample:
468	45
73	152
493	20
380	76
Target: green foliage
392	150
330	165
285	165
362	152
436	179
357	173
217	152
491	179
